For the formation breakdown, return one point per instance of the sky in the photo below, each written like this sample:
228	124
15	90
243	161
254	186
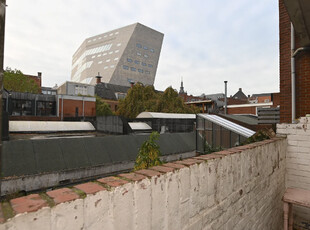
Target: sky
205	42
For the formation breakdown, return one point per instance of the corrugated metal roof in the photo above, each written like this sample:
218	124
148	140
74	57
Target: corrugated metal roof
139	126
228	125
166	115
49	126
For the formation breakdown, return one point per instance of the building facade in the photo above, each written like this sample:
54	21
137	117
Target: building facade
301	61
121	56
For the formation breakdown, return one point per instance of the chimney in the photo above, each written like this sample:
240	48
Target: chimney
98	78
240	89
39	74
225	101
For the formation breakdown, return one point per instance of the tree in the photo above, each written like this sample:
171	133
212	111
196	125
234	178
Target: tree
139	99
144	98
15	80
149	153
170	102
102	108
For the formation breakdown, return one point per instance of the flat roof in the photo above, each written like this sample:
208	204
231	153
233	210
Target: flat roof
228	125
166	115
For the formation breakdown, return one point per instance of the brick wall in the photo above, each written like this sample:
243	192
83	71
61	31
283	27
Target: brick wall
298	163
240	188
302	71
242	110
70	106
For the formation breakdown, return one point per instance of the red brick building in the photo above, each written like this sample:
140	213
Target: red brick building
76	106
302	61
37	79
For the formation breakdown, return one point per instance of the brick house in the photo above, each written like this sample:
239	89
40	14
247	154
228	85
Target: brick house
295	12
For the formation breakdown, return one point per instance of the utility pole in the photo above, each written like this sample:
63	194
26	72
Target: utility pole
2	29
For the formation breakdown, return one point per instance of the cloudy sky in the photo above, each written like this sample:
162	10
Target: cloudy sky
205	42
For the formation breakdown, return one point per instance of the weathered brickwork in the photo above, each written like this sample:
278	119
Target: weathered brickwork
298	163
240	188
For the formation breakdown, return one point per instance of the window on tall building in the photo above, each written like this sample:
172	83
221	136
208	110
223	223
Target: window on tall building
140	70
143	63
119	44
108	60
144	47
139	54
133	69
152	50
125	67
139	45
150	65
129	59
147	72
145	55
137	62
116	51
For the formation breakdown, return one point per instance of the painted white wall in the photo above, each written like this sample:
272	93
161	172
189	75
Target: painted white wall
238	191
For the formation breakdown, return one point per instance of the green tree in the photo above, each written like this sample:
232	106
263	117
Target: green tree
170	102
15	80
139	99
102	108
149	153
145	99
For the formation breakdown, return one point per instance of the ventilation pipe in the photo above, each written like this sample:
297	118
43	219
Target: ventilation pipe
225	97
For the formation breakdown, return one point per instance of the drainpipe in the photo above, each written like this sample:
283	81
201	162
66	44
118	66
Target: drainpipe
83	107
293	69
62	108
225	97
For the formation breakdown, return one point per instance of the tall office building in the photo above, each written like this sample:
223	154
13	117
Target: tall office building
121	56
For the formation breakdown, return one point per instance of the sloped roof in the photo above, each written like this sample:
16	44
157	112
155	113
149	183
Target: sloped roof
240	95
107	91
228	125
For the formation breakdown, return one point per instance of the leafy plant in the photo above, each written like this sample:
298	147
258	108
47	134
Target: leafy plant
102	108
149	153
210	149
260	135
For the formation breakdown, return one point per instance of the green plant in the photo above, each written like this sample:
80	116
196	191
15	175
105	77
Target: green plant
260	135
102	108
210	149
149	153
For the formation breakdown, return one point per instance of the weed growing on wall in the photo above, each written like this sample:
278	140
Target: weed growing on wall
149	153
